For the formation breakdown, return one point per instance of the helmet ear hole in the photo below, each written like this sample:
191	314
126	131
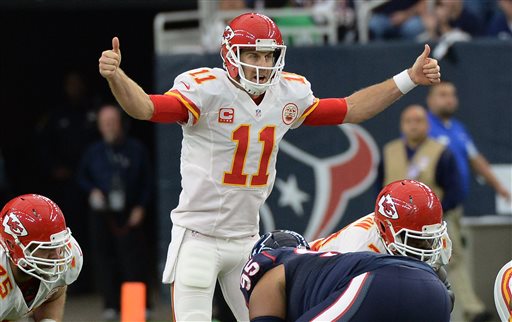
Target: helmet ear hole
10	244
382	227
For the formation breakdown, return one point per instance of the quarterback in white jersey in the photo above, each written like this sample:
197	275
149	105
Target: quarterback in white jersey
38	259
228	176
408	221
233	121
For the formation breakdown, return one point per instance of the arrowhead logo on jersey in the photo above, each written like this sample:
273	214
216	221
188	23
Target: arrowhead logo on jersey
13	226
290	113
316	180
226	115
387	207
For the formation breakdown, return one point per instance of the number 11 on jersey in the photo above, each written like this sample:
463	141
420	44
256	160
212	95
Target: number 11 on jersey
241	135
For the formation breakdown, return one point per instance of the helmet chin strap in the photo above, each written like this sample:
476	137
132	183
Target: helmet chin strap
251	88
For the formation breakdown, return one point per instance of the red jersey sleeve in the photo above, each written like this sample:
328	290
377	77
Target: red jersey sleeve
329	111
168	109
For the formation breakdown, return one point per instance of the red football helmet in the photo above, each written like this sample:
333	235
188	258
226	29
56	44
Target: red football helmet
260	33
409	217
35	237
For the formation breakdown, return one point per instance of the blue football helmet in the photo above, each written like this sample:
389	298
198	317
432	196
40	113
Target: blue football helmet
277	239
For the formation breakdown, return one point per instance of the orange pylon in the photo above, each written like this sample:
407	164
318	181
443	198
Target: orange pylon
133	302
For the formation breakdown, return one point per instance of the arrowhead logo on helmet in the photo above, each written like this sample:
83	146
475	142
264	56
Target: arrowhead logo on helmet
228	33
13	226
387	207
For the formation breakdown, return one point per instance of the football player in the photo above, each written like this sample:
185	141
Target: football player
408	221
503	292
233	121
38	259
285	281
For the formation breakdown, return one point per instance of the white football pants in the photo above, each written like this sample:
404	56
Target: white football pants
201	260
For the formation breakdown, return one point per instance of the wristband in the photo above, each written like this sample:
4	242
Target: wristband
404	82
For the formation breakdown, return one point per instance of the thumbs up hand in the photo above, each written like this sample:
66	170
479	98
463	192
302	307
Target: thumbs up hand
425	70
110	60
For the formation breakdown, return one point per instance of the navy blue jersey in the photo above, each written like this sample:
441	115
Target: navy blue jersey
316	275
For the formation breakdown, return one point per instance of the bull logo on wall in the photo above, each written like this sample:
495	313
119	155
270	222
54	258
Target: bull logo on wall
317	176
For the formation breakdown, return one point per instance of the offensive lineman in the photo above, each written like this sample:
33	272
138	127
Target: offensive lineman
38	259
407	221
233	121
407	212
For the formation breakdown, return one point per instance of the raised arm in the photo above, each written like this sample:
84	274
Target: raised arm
370	101
129	94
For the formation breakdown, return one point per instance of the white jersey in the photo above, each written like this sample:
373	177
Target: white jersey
363	235
12	303
359	236
229	148
503	292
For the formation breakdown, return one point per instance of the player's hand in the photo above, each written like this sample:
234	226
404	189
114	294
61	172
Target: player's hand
503	192
136	217
425	70
110	60
97	200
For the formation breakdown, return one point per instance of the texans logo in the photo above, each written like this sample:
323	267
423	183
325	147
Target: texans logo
318	174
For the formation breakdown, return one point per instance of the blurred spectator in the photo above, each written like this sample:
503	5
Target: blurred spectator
231	4
398	19
344	14
452	14
483	9
67	129
450	22
62	135
416	156
442	102
115	173
500	24
261	4
296	21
